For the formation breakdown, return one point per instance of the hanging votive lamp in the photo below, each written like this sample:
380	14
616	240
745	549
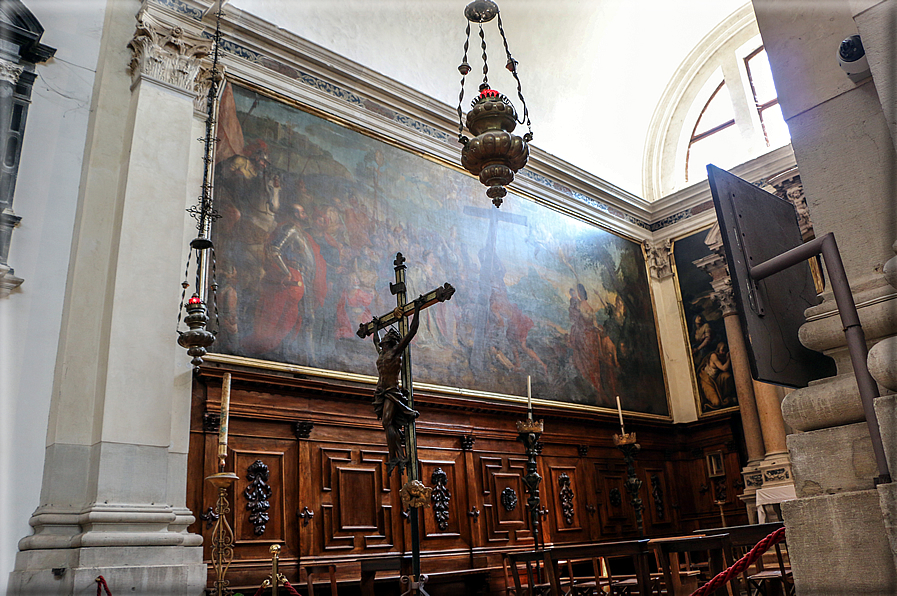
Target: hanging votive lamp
197	337
493	154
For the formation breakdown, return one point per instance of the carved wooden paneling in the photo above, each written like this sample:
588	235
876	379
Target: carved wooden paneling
656	496
446	523
262	495
562	494
324	495
615	510
502	475
356	500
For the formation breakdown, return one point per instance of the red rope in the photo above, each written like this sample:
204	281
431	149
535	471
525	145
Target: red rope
102	585
742	563
262	588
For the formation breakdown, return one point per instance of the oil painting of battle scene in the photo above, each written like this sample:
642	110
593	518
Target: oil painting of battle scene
313	214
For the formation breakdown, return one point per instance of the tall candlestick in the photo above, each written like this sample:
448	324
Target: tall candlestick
620	412
529	398
222	428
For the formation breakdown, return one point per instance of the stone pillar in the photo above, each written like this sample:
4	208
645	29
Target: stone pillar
775	469
744	387
114	485
715	266
840	524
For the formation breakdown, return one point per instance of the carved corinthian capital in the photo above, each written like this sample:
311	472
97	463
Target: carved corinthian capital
9	72
167	53
659	256
726	297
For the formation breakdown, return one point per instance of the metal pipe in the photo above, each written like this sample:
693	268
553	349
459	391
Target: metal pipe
853	330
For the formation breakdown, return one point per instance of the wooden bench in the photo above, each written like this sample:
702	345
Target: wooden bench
602	577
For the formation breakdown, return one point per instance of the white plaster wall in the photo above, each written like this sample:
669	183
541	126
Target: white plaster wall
46	197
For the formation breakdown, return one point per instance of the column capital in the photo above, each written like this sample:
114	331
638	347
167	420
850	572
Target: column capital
725	296
167	53
659	256
9	71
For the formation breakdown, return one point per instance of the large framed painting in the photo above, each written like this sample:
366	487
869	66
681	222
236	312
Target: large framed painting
709	346
313	212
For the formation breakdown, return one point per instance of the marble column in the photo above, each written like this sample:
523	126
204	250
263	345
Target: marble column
747	404
841	526
114	486
715	266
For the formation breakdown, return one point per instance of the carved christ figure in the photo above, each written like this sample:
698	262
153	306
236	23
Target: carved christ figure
390	401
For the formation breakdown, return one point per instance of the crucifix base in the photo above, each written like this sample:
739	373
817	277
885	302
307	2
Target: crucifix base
414	587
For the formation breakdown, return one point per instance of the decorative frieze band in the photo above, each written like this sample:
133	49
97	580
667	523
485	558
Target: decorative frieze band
167	53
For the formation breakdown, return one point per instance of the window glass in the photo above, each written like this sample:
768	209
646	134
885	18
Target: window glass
717	111
723	149
761	77
777	133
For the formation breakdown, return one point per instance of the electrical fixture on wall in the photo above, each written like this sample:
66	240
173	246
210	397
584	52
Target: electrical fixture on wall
493	154
852	59
197	337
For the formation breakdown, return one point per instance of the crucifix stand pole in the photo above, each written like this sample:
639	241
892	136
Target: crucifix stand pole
400	291
399	316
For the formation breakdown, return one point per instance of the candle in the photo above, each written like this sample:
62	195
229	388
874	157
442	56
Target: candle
620	412
222	428
529	398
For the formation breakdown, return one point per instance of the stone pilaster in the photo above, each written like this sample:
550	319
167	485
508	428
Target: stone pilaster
659	256
114	486
9	76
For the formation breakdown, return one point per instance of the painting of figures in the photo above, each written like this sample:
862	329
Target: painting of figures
313	214
704	321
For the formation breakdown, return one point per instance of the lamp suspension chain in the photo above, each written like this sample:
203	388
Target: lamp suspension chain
512	67
184	285
485	63
464	68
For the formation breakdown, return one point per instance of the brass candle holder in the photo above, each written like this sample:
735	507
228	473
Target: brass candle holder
222	533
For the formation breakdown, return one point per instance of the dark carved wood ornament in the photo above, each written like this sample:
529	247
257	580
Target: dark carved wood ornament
257	494
509	499
566	495
441	496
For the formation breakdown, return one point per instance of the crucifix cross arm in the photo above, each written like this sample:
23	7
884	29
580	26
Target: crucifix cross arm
440	294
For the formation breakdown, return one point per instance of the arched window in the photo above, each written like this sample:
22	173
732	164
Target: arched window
720	108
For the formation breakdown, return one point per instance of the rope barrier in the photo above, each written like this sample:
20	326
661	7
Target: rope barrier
102	585
286	584
741	564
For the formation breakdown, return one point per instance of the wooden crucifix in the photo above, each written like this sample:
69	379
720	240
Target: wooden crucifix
394	405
